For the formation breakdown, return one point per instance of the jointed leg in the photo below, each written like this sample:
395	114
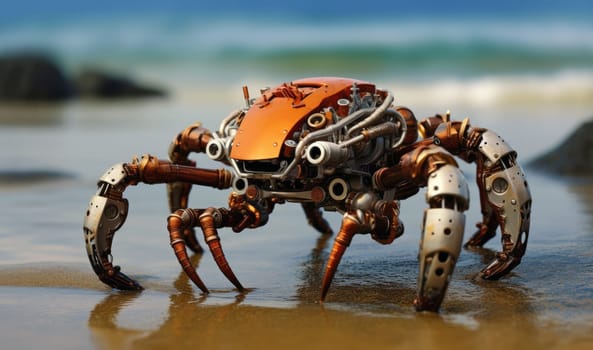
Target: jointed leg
366	214
315	218
107	210
448	196
241	214
509	199
193	139
442	235
504	197
504	194
350	227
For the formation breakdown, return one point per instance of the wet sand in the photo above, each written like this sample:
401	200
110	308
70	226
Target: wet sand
50	298
38	311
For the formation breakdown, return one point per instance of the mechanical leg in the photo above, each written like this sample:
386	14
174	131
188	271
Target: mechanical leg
194	138
448	197
506	202
504	193
444	223
316	219
107	210
242	214
366	214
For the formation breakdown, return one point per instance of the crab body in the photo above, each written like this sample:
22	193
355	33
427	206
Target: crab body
335	144
292	143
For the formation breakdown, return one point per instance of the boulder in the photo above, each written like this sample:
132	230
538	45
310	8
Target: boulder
96	83
32	77
37	77
574	156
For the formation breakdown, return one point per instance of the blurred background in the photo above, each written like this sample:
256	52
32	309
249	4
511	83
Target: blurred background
529	57
428	52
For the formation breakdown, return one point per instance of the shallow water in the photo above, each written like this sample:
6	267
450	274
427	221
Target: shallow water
50	297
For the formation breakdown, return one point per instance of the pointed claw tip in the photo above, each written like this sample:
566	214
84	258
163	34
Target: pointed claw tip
489	275
200	285
324	291
236	283
500	267
136	286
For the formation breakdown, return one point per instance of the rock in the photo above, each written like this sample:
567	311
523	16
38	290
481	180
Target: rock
100	84
37	77
32	77
31	176
574	156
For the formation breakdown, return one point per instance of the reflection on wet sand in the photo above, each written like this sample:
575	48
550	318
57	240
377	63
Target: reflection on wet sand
184	307
494	299
479	314
312	273
189	323
469	294
354	291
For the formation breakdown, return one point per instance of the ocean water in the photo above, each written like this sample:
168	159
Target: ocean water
524	70
431	53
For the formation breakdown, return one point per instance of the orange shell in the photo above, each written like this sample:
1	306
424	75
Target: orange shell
277	114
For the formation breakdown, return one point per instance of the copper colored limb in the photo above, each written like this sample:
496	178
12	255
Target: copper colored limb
428	126
513	248
191	240
193	139
502	265
179	178
244	214
486	231
208	224
177	222
178	194
350	227
315	218
149	169
411	124
108	209
388	227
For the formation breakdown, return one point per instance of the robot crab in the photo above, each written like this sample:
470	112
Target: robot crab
332	144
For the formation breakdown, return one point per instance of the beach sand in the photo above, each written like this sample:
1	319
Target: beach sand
65	307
